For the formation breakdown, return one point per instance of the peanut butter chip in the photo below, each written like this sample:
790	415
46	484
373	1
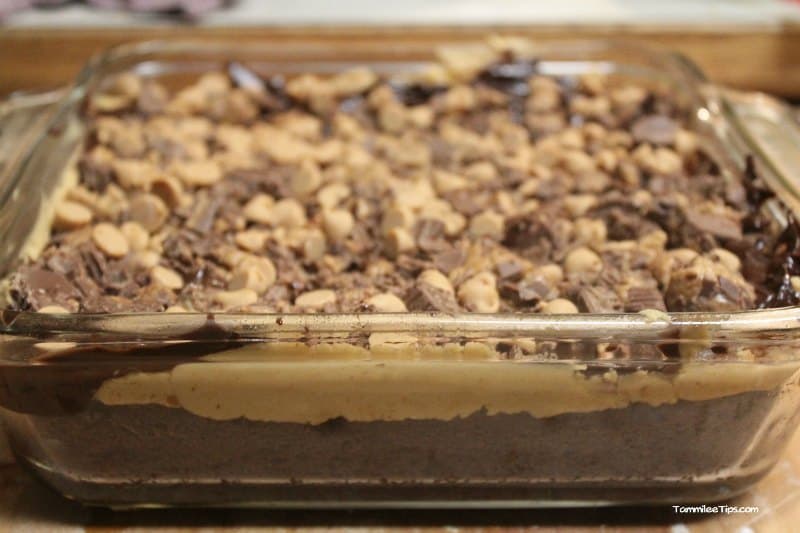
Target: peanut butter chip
579	204
149	210
330	195
727	258
288	213
338	223
387	303
436	279
559	306
314	245
166	277
259	209
55	346
169	189
53	310
110	240
479	293
306	179
146	259
590	231
236	298
136	235
315	300
582	260
353	81
132	173
252	240
198	173
399	241
397	217
256	273
551	272
72	215
487	224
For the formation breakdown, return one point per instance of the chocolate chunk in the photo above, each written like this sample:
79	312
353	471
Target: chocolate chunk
624	223
639	298
732	291
272	180
624	220
425	297
447	260
152	298
736	194
430	235
655	129
94	262
95	176
757	190
598	300
64	261
509	350
120	279
466	202
534	290
179	254
412	265
525	231
509	270
714	224
33	288
412	94
203	212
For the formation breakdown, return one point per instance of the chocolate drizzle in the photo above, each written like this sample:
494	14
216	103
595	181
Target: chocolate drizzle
785	264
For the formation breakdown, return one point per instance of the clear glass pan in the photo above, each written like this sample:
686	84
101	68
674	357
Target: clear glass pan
307	410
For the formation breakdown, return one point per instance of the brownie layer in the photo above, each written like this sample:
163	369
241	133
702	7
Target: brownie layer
136	447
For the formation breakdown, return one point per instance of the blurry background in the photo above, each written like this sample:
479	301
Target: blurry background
753	44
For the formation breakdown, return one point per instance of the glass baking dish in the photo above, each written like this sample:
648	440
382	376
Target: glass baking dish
129	410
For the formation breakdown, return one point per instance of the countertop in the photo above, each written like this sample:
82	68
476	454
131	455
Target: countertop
754	55
28	506
675	13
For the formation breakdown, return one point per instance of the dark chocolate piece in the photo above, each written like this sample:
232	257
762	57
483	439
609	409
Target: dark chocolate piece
639	298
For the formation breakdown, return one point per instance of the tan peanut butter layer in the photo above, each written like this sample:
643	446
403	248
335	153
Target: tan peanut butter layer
267	383
481	186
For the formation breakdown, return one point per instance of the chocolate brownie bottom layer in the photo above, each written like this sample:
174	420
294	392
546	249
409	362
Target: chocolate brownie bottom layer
139	453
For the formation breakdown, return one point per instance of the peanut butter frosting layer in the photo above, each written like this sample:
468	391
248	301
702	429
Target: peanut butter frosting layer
262	383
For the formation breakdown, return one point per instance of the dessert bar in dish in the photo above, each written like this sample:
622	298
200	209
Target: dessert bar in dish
494	197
